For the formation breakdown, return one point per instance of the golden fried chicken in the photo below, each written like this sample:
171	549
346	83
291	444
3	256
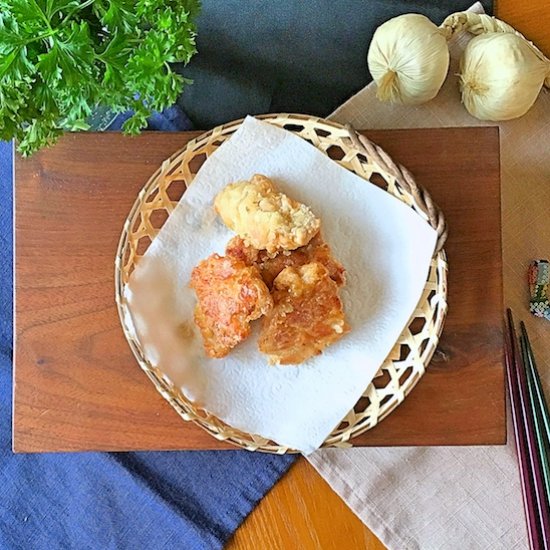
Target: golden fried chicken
230	295
263	217
307	315
270	265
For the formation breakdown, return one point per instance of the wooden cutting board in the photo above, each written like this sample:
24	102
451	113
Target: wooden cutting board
76	384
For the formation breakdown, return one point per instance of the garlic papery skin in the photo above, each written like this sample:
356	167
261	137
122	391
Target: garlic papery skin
408	59
501	76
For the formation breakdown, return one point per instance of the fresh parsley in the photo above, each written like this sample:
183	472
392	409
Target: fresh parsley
59	59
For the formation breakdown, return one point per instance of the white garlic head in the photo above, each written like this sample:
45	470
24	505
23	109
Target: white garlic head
408	59
501	75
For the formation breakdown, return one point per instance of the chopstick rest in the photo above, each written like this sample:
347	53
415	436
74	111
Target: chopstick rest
538	277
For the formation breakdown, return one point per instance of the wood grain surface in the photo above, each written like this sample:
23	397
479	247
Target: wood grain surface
303	515
77	386
532	18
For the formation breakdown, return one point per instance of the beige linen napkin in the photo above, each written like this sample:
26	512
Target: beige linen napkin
461	497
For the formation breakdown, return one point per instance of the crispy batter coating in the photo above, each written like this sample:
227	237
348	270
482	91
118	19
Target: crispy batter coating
270	265
307	315
263	217
230	295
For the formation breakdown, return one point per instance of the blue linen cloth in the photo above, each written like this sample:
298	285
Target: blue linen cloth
155	500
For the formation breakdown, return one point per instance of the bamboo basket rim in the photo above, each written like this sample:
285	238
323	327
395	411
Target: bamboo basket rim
420	202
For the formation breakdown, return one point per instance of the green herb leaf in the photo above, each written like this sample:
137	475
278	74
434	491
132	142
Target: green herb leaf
59	59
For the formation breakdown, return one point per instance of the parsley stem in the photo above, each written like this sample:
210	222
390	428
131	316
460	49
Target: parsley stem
40	37
42	15
78	8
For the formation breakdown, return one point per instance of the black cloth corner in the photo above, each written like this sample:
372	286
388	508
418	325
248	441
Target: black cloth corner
304	56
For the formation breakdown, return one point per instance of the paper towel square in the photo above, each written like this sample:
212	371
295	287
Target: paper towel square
385	247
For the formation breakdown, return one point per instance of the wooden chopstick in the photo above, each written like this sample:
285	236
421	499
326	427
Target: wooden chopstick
527	443
540	408
527	482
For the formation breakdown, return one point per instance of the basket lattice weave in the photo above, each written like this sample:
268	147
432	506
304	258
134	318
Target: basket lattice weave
407	361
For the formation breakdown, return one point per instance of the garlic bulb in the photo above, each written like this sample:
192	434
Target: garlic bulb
501	75
408	59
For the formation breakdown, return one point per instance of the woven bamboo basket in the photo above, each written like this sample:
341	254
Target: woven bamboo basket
416	345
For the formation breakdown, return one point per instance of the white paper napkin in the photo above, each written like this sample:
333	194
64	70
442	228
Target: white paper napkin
385	247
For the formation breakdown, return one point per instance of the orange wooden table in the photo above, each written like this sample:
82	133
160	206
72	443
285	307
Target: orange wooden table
302	511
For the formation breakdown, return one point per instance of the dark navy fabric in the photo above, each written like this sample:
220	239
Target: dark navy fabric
170	120
287	56
189	500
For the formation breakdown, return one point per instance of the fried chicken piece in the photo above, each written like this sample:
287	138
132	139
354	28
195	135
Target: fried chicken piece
230	295
270	265
307	315
263	217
